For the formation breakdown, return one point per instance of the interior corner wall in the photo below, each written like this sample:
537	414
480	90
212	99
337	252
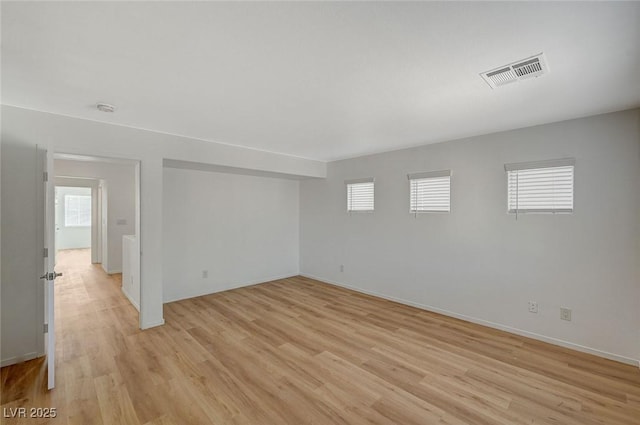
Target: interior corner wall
240	229
480	263
121	214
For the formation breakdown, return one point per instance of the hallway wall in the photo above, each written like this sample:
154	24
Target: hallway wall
120	183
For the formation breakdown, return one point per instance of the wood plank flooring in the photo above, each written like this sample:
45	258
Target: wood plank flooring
297	351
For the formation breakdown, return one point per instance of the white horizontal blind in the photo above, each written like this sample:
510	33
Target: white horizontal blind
360	196
431	194
542	189
77	210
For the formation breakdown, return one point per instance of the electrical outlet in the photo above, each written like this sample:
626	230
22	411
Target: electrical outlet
341	267
205	274
565	314
533	307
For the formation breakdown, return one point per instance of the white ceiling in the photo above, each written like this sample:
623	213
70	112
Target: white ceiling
319	80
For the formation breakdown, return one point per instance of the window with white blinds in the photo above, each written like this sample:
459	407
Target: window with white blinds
542	187
360	195
77	211
430	192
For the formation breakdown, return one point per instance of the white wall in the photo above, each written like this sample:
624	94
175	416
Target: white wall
120	183
478	262
70	237
20	291
22	130
241	229
1	286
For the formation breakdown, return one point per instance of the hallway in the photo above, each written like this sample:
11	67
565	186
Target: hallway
92	320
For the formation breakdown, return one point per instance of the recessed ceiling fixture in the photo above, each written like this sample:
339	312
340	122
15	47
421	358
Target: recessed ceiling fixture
532	67
105	107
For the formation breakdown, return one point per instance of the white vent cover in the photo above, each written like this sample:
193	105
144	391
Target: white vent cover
534	66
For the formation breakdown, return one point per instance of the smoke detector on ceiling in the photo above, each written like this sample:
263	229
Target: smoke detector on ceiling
532	67
105	107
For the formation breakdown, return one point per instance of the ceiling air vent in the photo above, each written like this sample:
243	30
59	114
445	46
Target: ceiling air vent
534	66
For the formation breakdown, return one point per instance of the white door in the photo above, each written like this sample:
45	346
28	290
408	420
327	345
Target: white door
49	274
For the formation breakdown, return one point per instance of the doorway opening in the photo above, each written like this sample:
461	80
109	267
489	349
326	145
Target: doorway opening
97	220
101	195
74	224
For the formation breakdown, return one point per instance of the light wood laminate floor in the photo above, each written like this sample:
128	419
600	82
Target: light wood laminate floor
298	351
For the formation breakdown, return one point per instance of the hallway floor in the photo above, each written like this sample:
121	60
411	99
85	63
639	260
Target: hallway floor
89	304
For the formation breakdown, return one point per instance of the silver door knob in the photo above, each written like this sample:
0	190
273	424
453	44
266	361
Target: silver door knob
50	276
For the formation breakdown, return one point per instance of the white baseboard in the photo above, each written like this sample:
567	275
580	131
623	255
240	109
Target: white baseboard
234	286
152	324
131	300
550	340
109	271
19	359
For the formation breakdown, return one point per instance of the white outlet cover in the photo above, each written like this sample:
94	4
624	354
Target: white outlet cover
565	314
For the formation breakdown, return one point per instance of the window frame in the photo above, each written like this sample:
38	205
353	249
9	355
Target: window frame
535	165
352	182
428	176
66	209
